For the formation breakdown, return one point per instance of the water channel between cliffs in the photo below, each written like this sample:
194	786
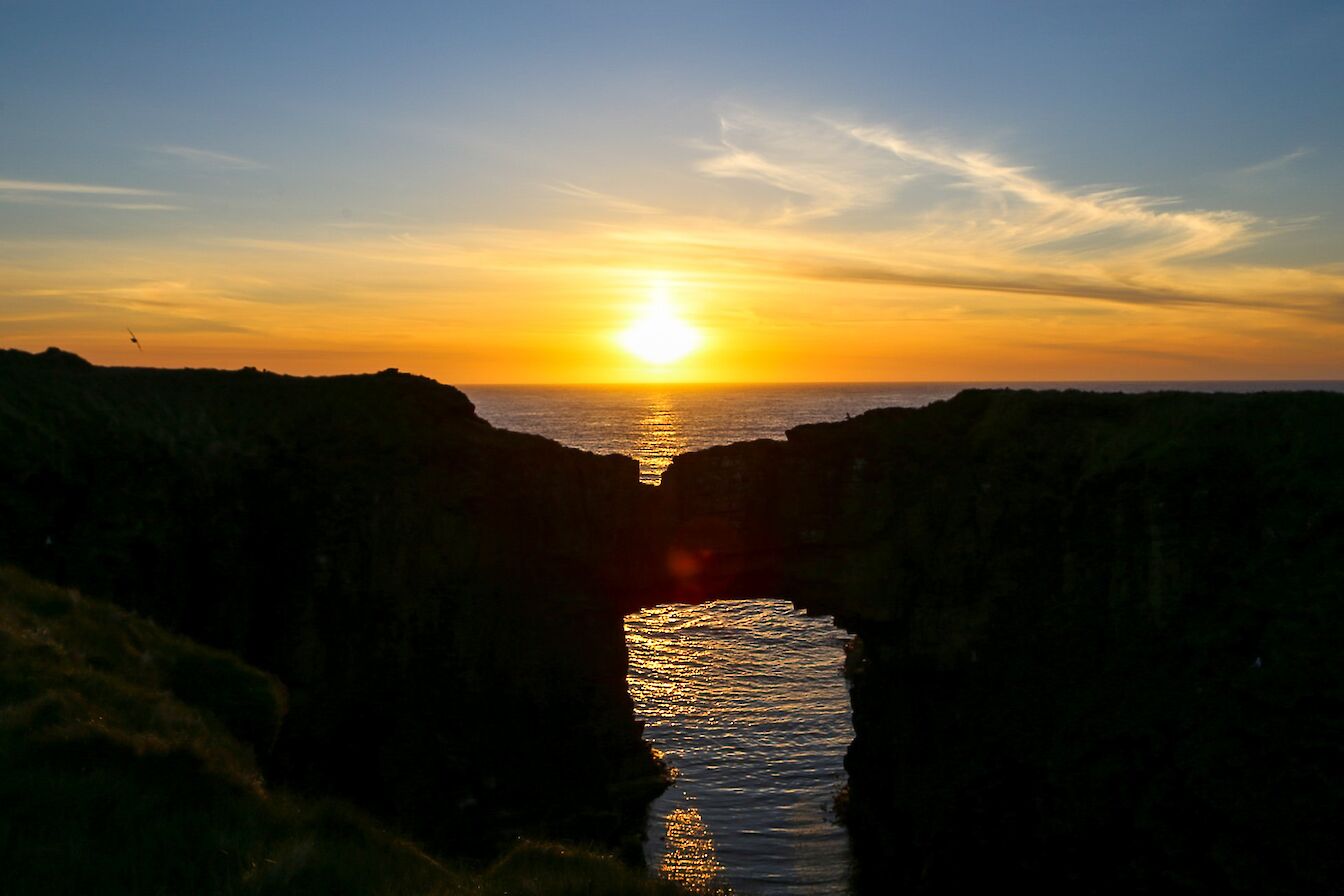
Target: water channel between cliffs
745	697
747	701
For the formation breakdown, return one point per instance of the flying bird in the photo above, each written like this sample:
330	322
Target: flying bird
133	339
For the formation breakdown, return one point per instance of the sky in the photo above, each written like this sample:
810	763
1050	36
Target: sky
497	192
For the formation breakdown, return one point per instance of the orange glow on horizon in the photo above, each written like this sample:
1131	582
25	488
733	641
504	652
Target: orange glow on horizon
787	251
555	308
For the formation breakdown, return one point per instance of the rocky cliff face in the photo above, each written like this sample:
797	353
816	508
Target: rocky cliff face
436	594
1099	635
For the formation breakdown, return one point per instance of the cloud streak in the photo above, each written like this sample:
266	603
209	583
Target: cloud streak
602	200
1277	162
805	240
59	188
1037	213
814	164
916	213
207	158
831	167
98	196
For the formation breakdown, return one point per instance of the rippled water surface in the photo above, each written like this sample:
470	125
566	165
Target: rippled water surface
745	698
748	703
653	424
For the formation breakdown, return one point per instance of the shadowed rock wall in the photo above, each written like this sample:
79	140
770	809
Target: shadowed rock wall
436	594
1099	635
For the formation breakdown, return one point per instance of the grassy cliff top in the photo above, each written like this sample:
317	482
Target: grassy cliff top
127	765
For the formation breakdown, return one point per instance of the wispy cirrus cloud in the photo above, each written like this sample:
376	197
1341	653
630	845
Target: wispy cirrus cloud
832	166
207	158
834	236
602	200
823	172
1034	213
164	306
921	220
56	187
44	192
922	214
1277	162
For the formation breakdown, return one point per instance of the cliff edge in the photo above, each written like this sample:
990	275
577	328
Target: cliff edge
1098	635
434	593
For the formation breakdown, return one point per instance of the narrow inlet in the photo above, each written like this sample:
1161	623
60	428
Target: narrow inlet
747	701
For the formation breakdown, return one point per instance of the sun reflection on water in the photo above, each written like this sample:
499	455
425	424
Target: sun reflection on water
659	437
746	701
689	858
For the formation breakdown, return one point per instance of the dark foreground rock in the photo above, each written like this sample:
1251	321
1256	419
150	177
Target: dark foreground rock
127	766
435	594
1100	636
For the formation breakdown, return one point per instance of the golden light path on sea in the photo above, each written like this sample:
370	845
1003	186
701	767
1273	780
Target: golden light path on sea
690	859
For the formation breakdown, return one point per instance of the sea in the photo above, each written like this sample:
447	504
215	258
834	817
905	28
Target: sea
745	699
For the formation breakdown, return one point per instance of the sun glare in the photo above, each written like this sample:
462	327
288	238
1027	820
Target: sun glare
659	336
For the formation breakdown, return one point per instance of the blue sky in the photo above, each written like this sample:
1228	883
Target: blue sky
170	132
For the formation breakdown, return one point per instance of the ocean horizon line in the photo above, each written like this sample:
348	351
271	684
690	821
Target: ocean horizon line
811	383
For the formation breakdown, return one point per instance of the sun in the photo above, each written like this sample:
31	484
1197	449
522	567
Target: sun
658	335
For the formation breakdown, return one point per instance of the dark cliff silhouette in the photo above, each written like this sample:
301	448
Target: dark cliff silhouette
425	585
1098	634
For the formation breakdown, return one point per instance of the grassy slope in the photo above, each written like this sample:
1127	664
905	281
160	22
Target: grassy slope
127	765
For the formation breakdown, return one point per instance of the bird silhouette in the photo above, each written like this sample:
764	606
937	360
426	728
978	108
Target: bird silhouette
133	339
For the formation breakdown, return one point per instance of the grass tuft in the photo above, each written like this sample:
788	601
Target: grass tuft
128	765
